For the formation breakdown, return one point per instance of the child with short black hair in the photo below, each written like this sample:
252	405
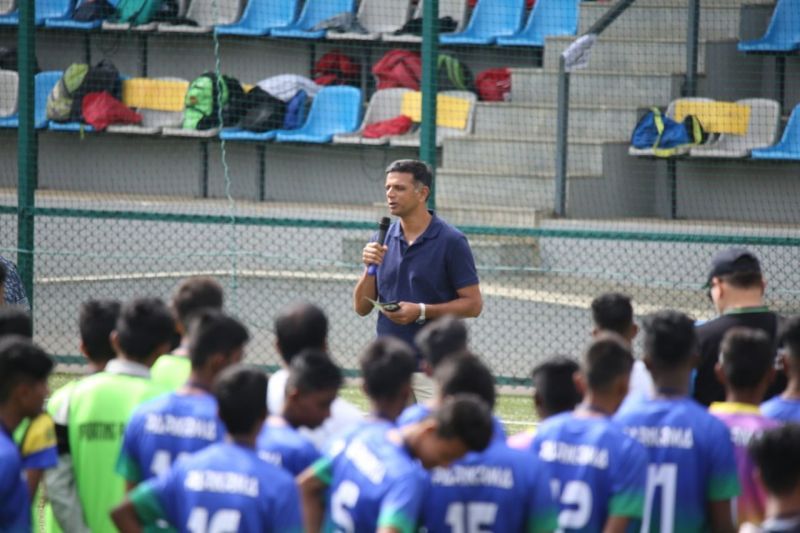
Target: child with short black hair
786	406
745	369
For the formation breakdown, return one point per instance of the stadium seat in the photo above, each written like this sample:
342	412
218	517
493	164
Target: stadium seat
783	33
455	112
762	130
490	19
455	9
207	14
260	17
377	17
44	9
239	134
158	100
9	83
789	146
384	105
314	12
68	23
334	110
43	86
548	17
644	152
125	26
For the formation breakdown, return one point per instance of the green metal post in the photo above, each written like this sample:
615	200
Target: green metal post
27	150
430	53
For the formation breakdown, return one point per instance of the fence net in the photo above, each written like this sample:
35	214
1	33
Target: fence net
271	179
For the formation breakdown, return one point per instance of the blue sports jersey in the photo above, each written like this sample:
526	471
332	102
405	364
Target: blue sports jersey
165	428
15	505
781	409
499	489
418	412
282	445
225	487
690	462
373	482
596	470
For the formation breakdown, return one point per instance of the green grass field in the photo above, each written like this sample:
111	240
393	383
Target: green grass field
515	410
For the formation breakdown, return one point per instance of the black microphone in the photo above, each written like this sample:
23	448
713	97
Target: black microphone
383	227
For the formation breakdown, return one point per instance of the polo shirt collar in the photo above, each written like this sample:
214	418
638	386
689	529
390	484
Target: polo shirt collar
128	368
431	232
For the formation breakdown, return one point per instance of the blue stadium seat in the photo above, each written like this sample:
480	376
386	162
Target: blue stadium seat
490	20
260	17
66	21
238	134
43	86
783	33
548	17
334	110
314	12
789	146
44	9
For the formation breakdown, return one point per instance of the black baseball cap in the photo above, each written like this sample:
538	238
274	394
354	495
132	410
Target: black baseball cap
731	261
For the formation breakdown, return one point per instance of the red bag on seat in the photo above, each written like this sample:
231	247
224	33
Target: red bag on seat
393	126
336	68
494	84
101	109
398	68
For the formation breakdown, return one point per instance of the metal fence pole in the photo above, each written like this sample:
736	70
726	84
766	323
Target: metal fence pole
692	38
430	53
562	129
27	150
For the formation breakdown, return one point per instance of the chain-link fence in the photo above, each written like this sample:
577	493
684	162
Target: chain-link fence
548	154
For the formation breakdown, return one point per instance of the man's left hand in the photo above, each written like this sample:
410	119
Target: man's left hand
407	313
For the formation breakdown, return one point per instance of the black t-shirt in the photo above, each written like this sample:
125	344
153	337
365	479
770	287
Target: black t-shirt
707	388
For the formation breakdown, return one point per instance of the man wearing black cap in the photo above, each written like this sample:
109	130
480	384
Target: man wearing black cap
736	287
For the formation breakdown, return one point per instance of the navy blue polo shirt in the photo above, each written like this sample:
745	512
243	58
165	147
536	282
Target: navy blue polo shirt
430	271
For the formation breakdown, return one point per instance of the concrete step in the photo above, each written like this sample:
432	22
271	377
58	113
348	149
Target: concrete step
456	187
494	119
493	252
530	85
516	156
663	20
635	55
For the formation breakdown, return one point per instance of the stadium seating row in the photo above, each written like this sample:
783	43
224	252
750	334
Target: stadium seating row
333	117
492	21
741	129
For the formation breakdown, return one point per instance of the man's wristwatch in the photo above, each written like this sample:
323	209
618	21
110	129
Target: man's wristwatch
421	317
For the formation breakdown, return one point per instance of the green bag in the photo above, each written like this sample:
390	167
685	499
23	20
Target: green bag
136	12
201	106
59	101
200	111
453	74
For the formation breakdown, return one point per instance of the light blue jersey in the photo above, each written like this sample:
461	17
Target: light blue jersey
499	489
225	487
781	409
282	445
165	428
15	505
373	482
596	470
690	462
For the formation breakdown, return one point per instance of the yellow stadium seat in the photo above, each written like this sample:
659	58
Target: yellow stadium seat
162	95
451	112
716	117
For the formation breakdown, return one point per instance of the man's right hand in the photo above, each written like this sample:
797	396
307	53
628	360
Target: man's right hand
373	253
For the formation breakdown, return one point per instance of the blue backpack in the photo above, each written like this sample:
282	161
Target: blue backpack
665	136
295	111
